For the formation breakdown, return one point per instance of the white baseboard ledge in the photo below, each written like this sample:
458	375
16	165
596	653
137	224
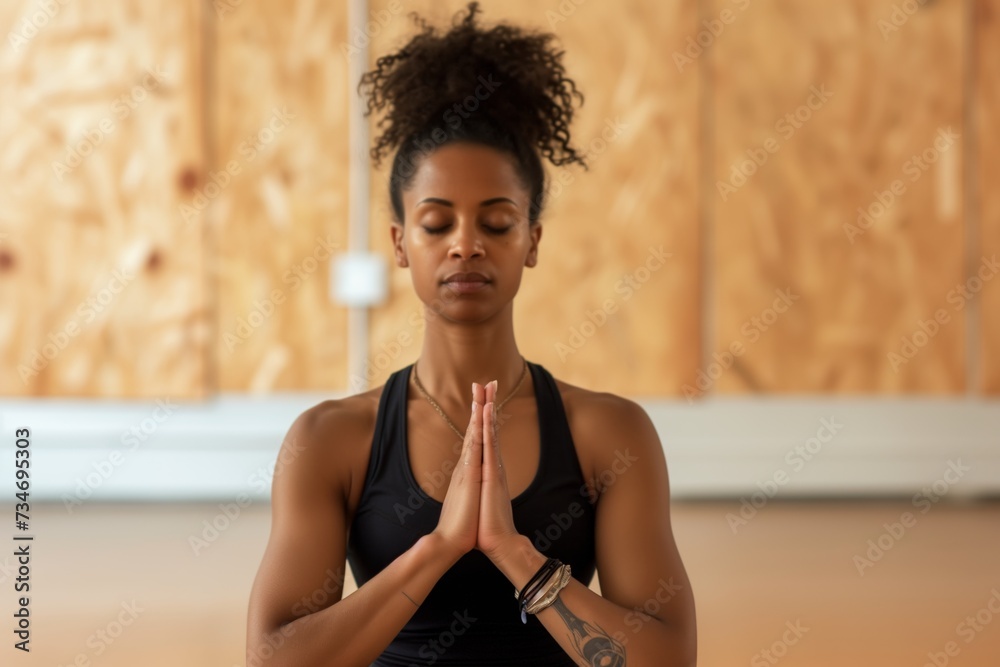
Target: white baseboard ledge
225	448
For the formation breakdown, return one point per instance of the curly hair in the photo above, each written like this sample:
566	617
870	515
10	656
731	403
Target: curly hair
504	87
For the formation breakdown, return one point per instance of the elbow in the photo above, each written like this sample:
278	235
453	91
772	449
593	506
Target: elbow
271	645
264	646
276	645
681	642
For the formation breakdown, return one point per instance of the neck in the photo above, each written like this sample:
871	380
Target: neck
454	355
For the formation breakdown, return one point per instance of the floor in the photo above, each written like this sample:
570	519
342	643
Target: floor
121	585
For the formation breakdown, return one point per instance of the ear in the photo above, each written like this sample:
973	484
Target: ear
398	235
536	235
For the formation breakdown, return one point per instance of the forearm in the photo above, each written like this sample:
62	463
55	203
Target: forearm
356	630
582	621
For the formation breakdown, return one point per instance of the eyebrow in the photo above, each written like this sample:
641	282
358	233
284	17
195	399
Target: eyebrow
485	202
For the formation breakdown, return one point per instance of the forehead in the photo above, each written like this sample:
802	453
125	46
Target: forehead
465	172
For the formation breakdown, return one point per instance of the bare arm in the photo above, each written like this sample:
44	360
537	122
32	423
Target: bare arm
645	614
296	616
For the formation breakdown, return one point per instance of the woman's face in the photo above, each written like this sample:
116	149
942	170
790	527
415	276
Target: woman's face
466	211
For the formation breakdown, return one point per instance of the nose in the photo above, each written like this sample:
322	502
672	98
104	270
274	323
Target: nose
466	242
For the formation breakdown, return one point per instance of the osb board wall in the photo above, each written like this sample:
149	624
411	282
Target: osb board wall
279	123
146	201
987	22
853	289
640	193
101	290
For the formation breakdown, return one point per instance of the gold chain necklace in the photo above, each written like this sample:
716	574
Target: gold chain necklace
524	373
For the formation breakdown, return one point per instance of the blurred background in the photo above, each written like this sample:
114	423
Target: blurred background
785	250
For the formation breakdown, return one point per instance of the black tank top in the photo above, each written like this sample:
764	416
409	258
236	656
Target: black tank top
471	618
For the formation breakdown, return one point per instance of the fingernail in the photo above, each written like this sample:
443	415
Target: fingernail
473	407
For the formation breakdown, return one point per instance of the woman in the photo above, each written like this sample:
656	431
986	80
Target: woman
471	545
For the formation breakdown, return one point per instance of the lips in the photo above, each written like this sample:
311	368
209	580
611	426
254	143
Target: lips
466	278
467	283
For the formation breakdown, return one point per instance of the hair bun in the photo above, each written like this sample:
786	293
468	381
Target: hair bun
505	75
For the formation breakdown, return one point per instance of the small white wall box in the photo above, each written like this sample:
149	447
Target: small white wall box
359	279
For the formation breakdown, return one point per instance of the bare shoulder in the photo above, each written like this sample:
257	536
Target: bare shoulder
603	423
600	410
331	435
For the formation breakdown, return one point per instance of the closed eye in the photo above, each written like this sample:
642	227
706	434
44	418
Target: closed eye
491	230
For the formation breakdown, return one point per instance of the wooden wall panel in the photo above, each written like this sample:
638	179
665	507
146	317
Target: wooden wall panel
987	111
884	86
101	290
279	120
265	195
640	193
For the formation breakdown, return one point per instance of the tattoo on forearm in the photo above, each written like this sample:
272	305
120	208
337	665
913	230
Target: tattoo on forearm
591	642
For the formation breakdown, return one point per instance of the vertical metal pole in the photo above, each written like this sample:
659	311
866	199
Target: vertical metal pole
359	191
